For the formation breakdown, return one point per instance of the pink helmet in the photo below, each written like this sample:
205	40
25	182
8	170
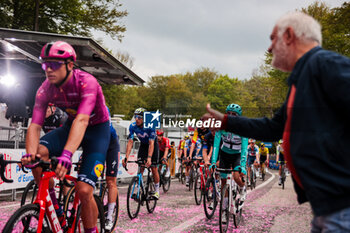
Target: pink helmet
58	49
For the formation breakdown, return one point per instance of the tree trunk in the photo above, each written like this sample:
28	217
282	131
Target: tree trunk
36	16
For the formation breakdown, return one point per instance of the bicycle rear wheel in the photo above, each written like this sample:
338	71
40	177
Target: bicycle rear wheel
151	202
26	219
210	200
29	193
100	219
197	189
68	204
166	182
134	198
104	199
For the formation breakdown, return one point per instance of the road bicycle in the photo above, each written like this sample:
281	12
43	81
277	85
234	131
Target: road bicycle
283	173
181	172
164	180
140	192
41	216
200	180
212	193
192	173
252	178
234	206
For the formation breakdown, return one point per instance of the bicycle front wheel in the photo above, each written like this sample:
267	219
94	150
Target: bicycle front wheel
151	202
104	199
210	201
224	214
26	219
134	198
29	193
197	189
237	217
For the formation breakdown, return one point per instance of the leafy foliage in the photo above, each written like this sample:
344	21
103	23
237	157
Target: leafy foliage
75	17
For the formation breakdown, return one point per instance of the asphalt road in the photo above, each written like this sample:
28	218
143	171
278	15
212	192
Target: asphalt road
268	208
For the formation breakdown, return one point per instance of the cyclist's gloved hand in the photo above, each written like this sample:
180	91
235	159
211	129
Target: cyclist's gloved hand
29	161
26	156
65	159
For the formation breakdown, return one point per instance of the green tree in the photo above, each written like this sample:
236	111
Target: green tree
178	96
75	17
222	92
335	25
200	80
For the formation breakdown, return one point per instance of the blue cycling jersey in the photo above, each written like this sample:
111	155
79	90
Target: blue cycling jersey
113	132
144	135
197	146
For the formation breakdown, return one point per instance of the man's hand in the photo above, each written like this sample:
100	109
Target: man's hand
212	113
207	164
149	162
164	160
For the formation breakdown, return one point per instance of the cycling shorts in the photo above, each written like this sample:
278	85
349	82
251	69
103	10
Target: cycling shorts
113	156
95	144
263	159
228	161
143	153
251	160
281	158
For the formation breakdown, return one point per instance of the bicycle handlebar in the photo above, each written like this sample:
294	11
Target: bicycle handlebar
38	163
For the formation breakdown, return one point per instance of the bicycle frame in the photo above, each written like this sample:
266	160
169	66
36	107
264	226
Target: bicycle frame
232	191
141	183
46	206
204	175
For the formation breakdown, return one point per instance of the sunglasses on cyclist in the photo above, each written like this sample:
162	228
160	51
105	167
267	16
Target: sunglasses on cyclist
138	117
54	65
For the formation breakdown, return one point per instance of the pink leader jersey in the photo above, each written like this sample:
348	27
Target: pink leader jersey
80	95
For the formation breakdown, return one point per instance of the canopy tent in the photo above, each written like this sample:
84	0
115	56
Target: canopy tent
19	61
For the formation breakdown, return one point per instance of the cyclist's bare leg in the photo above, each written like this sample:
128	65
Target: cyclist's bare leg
89	208
155	174
112	188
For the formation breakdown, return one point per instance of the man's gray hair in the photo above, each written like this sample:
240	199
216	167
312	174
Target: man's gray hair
306	28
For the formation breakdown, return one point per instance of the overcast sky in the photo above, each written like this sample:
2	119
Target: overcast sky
176	36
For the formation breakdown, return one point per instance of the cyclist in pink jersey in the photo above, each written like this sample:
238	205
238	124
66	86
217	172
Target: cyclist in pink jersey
80	96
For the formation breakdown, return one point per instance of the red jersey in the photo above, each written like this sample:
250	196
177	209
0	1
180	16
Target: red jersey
164	143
